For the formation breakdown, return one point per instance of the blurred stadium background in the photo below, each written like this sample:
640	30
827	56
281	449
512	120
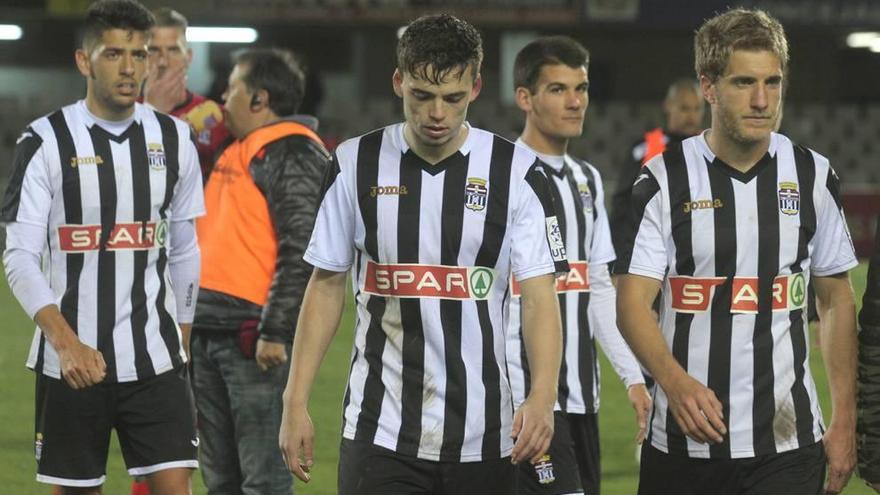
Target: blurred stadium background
637	48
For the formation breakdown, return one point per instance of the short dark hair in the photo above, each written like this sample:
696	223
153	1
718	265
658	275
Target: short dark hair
104	15
446	43
550	50
276	71
168	17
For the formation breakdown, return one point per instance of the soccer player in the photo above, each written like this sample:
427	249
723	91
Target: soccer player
869	373
104	194
433	217
260	202
551	83
165	86
684	108
733	223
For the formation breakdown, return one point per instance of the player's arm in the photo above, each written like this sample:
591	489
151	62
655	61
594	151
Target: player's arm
836	307
318	320
542	335
184	266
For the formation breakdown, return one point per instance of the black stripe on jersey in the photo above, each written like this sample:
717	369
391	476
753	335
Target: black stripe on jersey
764	405
494	230
563	391
70	189
106	296
720	334
374	390
541	187
806	173
588	365
171	143
643	191
140	194
679	194
456	404
330	176
25	149
413	345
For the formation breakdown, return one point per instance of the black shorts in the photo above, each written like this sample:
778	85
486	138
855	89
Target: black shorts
367	469
585	432
557	472
154	420
796	472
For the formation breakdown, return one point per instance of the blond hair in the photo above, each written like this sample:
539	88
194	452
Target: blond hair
737	29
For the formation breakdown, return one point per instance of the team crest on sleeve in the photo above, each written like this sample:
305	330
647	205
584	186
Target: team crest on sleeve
586	197
156	156
475	194
544	470
789	198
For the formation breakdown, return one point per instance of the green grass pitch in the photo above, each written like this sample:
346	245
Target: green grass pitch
17	466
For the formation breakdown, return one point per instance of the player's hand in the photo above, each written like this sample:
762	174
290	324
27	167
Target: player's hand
270	354
81	366
166	91
297	440
696	409
640	400
532	429
840	449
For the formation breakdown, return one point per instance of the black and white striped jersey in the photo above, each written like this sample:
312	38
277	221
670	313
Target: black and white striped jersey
106	192
579	200
735	252
432	248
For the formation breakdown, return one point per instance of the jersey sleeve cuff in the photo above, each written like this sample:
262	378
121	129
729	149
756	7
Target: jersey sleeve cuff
323	264
837	269
548	269
643	271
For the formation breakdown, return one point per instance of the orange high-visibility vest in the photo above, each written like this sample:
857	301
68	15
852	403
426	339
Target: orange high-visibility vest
236	236
655	143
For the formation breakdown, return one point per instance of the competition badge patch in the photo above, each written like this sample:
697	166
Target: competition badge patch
554	237
544	470
789	198
475	194
586	197
156	156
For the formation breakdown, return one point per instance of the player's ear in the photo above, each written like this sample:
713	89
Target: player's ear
397	83
707	87
82	62
523	98
478	85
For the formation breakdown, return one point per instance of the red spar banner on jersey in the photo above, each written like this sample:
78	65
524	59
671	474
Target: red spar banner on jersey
576	280
133	236
433	281
694	295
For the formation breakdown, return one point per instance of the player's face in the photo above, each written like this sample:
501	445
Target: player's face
684	113
559	103
237	103
746	100
435	113
115	68
168	49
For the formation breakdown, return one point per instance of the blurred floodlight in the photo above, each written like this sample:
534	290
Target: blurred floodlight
875	45
10	32
863	39
196	34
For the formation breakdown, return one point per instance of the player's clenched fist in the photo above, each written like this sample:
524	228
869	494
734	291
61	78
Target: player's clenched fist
296	440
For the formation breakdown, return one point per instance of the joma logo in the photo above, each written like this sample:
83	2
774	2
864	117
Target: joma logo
702	204
388	190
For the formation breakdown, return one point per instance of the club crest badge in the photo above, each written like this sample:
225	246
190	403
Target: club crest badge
586	197
544	470
475	194
156	156
789	198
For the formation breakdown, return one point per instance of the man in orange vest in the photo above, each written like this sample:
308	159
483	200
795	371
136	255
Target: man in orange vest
260	200
684	108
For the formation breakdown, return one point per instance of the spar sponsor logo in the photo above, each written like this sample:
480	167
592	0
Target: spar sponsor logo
432	281
576	280
136	236
694	294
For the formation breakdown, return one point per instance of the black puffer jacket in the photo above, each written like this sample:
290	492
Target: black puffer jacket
869	372
289	174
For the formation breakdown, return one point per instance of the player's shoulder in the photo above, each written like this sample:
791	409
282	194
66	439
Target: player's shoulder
802	154
145	112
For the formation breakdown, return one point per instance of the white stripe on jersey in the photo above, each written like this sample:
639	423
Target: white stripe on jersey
780	222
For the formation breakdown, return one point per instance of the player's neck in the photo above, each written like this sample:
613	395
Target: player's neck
106	112
435	154
542	143
741	156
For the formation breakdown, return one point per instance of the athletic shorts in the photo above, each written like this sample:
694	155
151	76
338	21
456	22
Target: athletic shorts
796	472
557	472
154	420
367	469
